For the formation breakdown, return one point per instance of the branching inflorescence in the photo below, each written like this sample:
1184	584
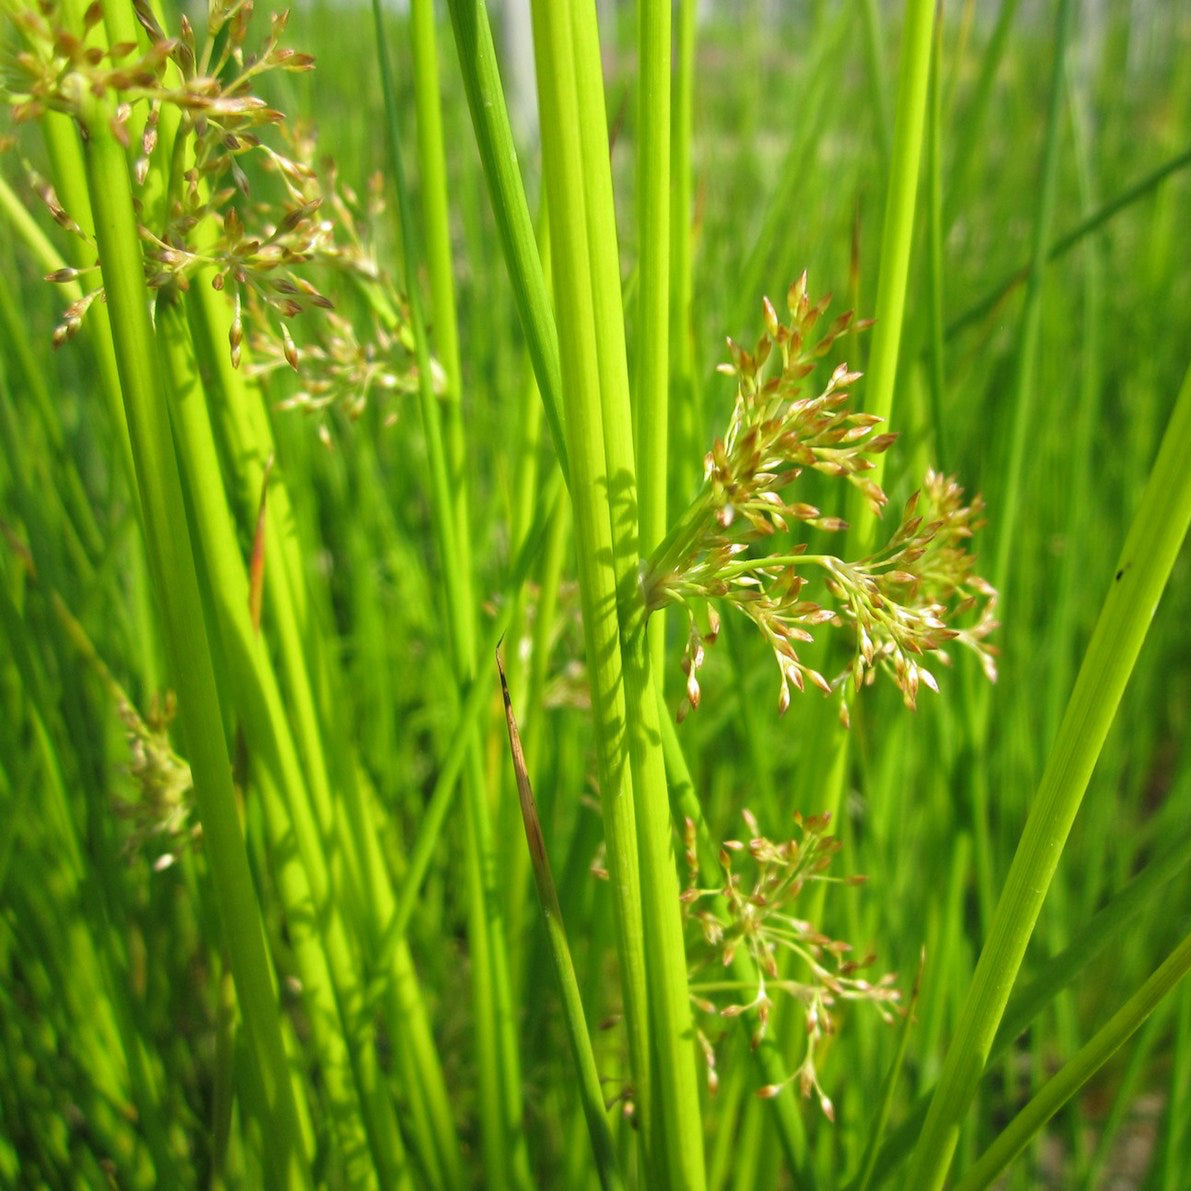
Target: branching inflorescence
915	596
751	911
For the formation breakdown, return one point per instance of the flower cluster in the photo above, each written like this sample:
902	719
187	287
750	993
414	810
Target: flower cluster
912	597
918	593
162	779
751	911
162	812
198	213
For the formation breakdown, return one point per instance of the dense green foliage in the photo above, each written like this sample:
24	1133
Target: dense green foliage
320	563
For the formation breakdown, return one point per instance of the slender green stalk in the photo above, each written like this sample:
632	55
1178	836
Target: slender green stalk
564	967
590	486
330	969
652	405
897	238
684	412
473	703
669	998
498	1061
173	566
69	172
1078	1070
1155	536
653	233
935	232
494	136
432	173
342	815
530	625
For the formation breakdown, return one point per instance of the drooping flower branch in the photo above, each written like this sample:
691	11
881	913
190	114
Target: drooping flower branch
912	597
752	909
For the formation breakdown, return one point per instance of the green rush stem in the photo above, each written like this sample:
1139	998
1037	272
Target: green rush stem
498	1060
536	490
498	153
62	145
671	1027
363	892
897	237
936	257
1149	553
432	174
474	701
361	1110
590	497
1076	1072
344	813
683	382
174	571
590	1093
652	406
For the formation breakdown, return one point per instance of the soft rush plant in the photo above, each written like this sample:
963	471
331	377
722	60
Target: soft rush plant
338	978
166	224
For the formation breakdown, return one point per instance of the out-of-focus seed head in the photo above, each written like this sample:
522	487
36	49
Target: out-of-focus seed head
228	143
751	911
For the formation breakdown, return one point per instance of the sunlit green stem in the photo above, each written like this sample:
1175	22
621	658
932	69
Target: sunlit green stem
676	1102
590	495
1076	1072
173	566
1155	536
497	1058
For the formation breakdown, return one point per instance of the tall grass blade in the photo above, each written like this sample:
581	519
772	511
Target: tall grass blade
1078	1070
560	954
1150	549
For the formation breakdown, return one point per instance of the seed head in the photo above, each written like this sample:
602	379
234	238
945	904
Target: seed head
911	598
751	910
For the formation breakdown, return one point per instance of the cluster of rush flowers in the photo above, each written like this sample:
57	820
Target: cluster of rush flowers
191	109
913	597
751	911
